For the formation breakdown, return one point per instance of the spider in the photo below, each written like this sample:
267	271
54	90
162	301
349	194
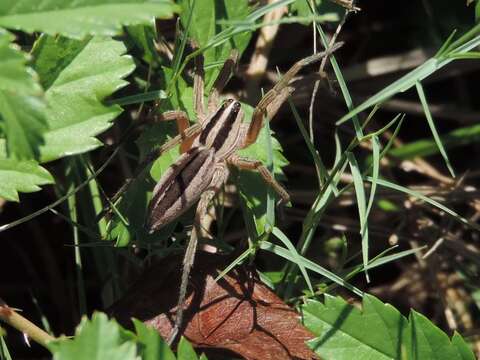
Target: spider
208	148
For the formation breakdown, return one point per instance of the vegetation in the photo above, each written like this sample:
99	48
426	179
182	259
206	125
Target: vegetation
384	201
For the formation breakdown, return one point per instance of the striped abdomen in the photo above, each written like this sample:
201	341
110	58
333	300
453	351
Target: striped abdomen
180	186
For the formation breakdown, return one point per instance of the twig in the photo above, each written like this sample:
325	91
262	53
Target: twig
259	61
17	321
321	71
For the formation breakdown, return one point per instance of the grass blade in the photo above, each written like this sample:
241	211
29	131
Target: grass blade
362	207
319	166
286	241
281	251
375	171
61	199
139	98
378	261
431	123
428	200
270	219
424	147
235	262
418	74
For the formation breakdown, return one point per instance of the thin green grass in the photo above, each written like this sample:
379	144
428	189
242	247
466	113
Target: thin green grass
456	50
4	353
431	124
72	174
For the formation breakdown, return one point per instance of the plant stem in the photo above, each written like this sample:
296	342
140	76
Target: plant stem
17	321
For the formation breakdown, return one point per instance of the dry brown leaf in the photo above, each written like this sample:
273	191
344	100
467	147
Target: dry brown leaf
238	313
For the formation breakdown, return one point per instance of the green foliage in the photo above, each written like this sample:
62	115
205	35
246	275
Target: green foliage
151	344
143	38
23	176
76	19
22	123
204	25
324	7
252	187
449	51
54	102
4	353
425	147
379	331
96	339
55	108
76	86
21	102
101	338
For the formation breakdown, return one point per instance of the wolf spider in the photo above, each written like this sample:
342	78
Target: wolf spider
207	150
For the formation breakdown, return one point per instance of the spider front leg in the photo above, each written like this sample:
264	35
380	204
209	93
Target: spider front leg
198	88
219	178
252	164
221	81
273	99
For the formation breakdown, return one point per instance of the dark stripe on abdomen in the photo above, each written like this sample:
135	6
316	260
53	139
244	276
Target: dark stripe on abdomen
212	122
226	128
184	177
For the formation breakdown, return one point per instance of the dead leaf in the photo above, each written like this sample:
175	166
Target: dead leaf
238	313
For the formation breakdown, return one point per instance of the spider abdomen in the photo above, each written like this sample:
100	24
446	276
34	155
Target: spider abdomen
180	186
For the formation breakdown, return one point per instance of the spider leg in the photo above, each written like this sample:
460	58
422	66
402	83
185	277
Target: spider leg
198	88
185	137
183	125
220	175
180	118
221	81
279	93
252	164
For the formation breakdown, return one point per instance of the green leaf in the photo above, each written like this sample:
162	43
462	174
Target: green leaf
77	18
96	339
101	338
185	350
144	37
204	26
20	175
22	104
133	204
463	350
77	82
379	331
152	346
426	341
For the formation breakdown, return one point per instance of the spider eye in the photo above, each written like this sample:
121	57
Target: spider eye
227	102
